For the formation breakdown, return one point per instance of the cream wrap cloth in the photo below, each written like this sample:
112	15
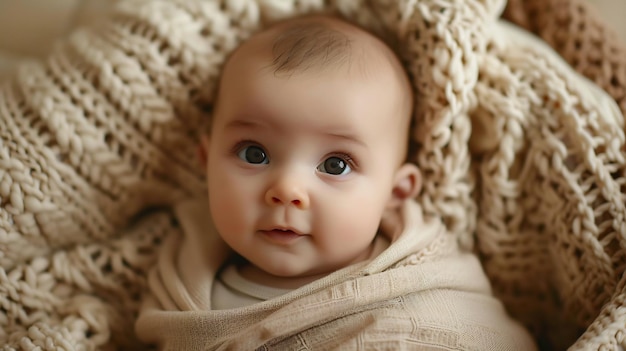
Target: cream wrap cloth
524	162
421	292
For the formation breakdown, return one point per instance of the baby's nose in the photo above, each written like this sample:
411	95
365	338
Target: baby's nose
287	193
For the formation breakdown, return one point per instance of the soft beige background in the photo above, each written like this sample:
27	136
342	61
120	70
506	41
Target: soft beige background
614	11
28	28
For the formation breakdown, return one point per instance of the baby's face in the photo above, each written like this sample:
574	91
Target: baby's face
300	168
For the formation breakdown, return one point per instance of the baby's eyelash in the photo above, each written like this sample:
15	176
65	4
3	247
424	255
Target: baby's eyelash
242	144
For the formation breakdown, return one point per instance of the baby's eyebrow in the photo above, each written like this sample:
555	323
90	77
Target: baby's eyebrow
252	124
240	123
347	137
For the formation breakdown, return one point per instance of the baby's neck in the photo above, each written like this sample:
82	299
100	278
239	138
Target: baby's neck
259	276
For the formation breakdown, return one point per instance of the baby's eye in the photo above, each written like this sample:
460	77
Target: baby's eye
253	154
334	165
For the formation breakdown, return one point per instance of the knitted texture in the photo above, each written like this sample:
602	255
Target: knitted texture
577	32
520	162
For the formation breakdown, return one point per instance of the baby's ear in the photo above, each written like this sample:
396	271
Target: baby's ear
407	184
203	150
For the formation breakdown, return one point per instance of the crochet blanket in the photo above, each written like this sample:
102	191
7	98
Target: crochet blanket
522	159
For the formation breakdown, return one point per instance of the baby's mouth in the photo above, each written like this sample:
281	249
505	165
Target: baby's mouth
281	236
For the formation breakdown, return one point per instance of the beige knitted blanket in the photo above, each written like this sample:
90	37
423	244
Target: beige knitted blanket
522	159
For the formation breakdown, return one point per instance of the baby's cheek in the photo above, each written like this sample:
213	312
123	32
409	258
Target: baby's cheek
228	206
354	222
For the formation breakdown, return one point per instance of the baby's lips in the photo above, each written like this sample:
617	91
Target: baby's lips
283	228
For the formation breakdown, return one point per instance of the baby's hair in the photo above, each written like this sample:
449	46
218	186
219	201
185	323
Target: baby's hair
310	45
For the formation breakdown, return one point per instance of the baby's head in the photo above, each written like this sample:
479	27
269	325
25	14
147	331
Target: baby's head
307	147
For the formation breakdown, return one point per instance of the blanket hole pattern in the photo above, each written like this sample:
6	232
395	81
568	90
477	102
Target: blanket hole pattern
521	161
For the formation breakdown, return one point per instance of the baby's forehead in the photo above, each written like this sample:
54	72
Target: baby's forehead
321	48
318	43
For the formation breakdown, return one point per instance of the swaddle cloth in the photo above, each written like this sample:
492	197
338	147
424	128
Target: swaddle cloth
420	292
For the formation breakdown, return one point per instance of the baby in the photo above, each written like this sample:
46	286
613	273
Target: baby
309	186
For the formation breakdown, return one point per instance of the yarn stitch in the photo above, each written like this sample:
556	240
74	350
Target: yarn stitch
518	157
